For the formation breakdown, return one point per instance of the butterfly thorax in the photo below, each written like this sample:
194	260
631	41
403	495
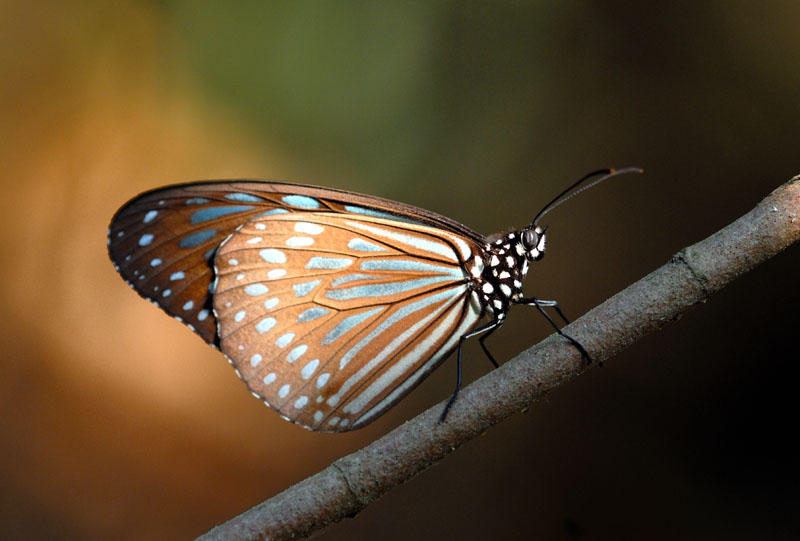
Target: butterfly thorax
498	273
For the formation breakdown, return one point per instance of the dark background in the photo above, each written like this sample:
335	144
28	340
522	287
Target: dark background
116	421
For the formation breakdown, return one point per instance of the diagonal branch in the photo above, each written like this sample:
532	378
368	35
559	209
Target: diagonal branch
688	279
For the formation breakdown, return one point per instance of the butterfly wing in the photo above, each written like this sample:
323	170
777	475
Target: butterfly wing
163	241
332	318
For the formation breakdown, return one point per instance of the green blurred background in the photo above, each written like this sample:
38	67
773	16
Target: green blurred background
116	421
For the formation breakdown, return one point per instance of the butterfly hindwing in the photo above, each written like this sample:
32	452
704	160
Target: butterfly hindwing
331	318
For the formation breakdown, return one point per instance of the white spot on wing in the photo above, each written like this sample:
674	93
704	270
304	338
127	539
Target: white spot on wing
254	290
308	370
301	402
296	353
307	228
299	242
284	340
265	325
271	255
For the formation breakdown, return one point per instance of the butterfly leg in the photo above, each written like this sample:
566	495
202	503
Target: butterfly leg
539	304
486	349
488	328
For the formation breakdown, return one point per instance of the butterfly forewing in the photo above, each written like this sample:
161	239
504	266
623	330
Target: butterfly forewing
331	318
163	242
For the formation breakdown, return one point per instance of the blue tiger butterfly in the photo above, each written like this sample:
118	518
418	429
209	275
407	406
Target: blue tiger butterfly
330	305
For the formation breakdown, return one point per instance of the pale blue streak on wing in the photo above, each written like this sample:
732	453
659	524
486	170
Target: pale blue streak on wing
348	323
312	313
379	214
383	289
353	277
273	211
362	245
411	265
301	201
244	197
196	201
196	239
328	262
212	213
301	290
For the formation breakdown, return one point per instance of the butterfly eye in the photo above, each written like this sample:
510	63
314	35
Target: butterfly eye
530	238
533	242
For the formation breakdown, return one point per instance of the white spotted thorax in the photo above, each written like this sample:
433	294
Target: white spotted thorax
499	274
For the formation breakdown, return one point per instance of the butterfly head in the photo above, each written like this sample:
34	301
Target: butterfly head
532	241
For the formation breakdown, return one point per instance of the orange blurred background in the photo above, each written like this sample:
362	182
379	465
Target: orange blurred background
116	421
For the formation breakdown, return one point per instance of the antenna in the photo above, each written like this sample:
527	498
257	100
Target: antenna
568	194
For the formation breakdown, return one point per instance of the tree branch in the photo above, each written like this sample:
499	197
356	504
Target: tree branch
688	279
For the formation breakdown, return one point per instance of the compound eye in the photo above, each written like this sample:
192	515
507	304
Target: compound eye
530	238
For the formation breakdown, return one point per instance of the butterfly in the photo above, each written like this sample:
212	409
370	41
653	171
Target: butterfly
330	305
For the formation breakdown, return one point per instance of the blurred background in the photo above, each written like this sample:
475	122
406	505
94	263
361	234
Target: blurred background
115	420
